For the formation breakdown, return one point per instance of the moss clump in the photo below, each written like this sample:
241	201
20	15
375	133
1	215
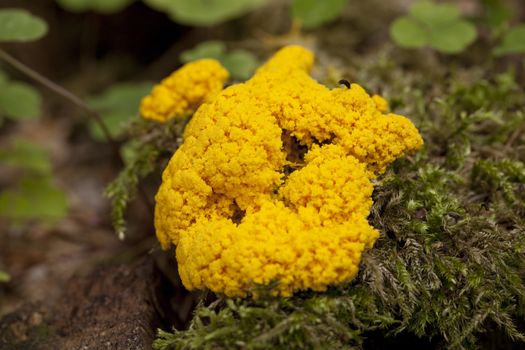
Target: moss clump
450	262
150	147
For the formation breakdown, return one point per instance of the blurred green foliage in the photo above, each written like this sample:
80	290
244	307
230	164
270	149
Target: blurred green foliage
190	12
207	49
513	41
314	13
18	101
240	63
34	198
33	195
428	24
438	26
496	12
20	25
117	105
311	13
24	155
102	6
204	12
4	277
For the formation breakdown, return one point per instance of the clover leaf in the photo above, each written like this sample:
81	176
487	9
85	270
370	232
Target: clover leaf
34	198
513	41
204	12
18	101
240	63
438	26
20	25
406	31
207	49
117	105
25	155
314	13
32	195
453	37
431	13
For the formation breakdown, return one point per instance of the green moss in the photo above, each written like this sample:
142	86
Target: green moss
151	145
450	262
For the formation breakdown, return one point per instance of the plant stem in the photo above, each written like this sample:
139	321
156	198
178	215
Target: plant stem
77	101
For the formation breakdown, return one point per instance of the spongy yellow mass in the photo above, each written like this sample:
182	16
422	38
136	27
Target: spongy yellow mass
184	90
244	208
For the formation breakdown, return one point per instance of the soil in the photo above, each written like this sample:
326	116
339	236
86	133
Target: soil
73	284
116	307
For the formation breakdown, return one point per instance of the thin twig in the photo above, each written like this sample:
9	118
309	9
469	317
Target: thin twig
77	101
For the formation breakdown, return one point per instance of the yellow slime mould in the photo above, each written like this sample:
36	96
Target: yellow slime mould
274	179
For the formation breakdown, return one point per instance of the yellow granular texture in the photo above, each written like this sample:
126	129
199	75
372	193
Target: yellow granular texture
184	90
243	212
381	103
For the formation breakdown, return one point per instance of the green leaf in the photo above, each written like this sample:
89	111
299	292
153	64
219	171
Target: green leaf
19	101
35	198
453	37
23	154
20	25
433	14
436	25
241	64
32	195
117	105
4	277
204	12
314	13
140	159
206	49
102	6
407	32
513	42
496	12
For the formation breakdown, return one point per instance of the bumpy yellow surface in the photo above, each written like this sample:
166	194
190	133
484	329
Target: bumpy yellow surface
184	90
306	230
